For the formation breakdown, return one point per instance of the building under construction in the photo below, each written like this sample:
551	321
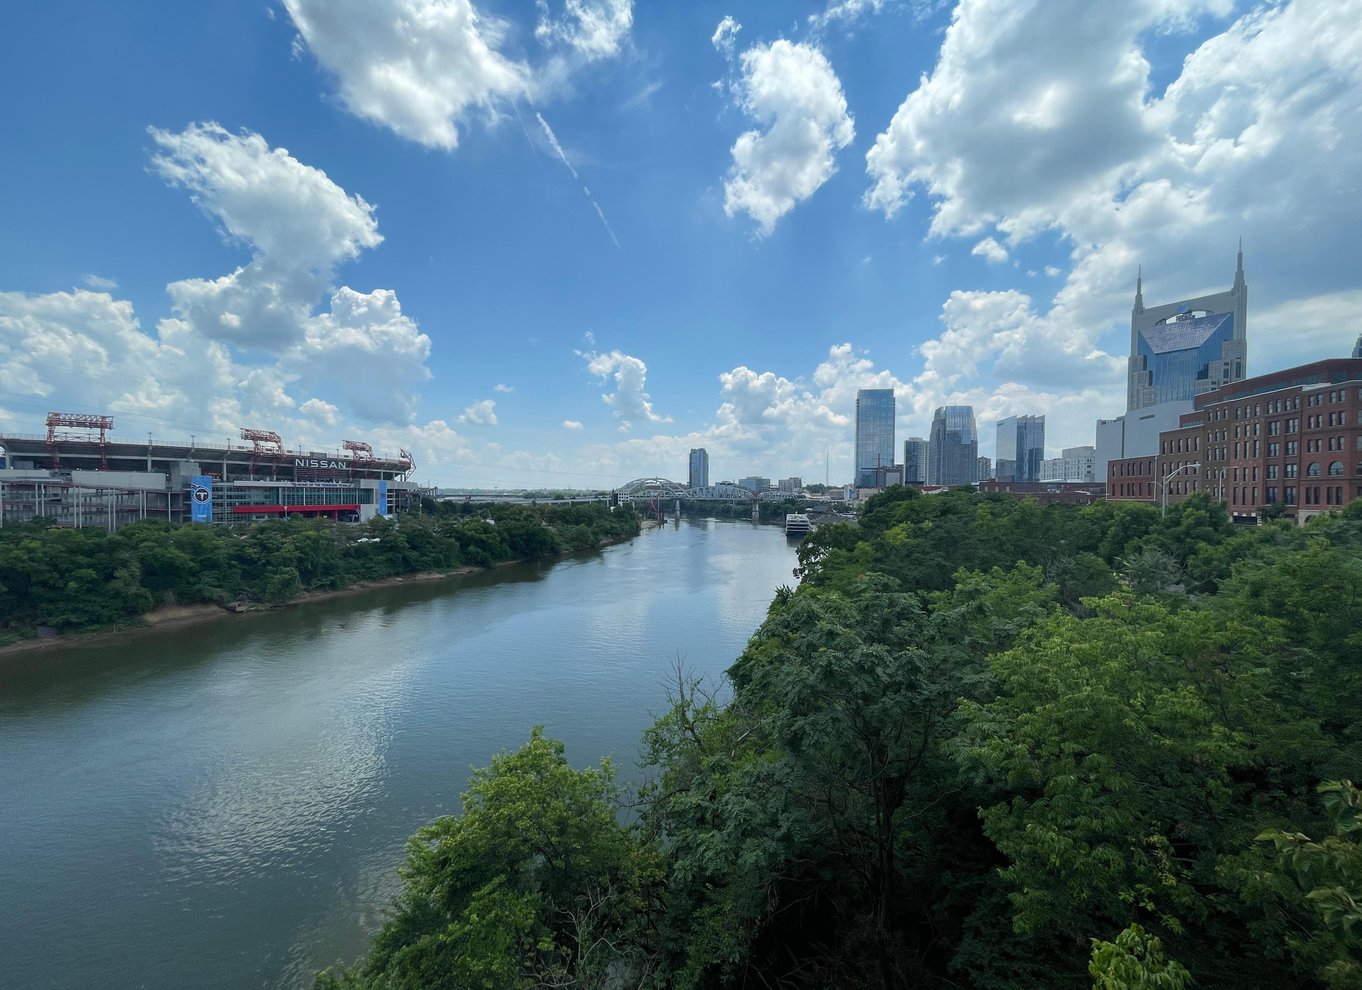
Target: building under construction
78	475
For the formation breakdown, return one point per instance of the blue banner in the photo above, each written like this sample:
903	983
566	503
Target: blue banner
201	499
382	498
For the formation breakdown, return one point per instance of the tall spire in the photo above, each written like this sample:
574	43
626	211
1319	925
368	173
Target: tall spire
1139	289
1239	267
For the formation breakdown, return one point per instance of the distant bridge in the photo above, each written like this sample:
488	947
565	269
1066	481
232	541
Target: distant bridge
648	489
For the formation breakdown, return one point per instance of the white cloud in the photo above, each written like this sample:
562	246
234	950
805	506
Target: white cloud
480	413
630	400
298	223
425	68
572	424
99	283
502	388
990	250
1038	122
321	411
792	90
367	348
594	29
726	35
845	11
418	67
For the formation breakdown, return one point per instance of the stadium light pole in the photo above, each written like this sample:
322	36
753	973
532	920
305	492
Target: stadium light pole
1169	477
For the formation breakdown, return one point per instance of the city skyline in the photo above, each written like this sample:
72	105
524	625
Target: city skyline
562	244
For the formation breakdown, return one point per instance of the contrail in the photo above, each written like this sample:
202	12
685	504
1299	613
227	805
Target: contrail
562	156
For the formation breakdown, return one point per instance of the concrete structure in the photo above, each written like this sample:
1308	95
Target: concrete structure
874	433
755	484
1020	448
915	461
699	467
953	450
79	478
1291	439
1073	464
984	471
790	485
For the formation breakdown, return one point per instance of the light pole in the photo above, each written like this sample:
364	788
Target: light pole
1169	477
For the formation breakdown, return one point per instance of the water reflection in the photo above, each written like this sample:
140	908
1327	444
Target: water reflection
225	805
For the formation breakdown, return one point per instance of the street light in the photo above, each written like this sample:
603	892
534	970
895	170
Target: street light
1169	477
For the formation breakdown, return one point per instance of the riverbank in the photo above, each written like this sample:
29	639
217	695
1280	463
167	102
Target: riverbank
178	616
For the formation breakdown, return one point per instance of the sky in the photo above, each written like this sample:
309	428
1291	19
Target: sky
559	243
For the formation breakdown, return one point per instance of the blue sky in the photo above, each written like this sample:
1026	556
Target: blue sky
560	243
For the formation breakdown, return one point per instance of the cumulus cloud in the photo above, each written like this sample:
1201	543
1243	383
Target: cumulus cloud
572	424
480	413
792	90
1039	120
418	67
630	400
594	29
368	348
502	388
990	250
298	224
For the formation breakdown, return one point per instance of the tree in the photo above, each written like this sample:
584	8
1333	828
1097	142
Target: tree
528	886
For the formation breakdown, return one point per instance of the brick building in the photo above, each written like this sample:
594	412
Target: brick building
1292	438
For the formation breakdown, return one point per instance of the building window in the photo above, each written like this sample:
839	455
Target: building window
1336	469
1274	449
1272	473
1290	492
1292	448
1313	470
1274	428
1271	493
1291	470
1293	424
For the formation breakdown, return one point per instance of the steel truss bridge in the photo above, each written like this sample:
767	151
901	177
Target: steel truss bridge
650	489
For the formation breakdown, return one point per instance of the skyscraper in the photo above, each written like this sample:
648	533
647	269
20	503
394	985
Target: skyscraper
1021	448
699	467
915	461
1181	349
953	450
874	433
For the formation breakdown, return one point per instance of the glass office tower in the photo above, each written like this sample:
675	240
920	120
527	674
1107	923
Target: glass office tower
699	467
1021	448
874	433
953	450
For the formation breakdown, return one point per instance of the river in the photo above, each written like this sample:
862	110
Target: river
225	805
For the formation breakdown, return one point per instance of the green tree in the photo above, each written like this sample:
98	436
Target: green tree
529	886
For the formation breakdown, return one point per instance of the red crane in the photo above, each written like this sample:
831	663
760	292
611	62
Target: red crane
87	422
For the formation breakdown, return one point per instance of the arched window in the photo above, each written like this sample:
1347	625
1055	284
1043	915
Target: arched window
1312	471
1336	469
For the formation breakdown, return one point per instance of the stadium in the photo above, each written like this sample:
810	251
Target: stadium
78	475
